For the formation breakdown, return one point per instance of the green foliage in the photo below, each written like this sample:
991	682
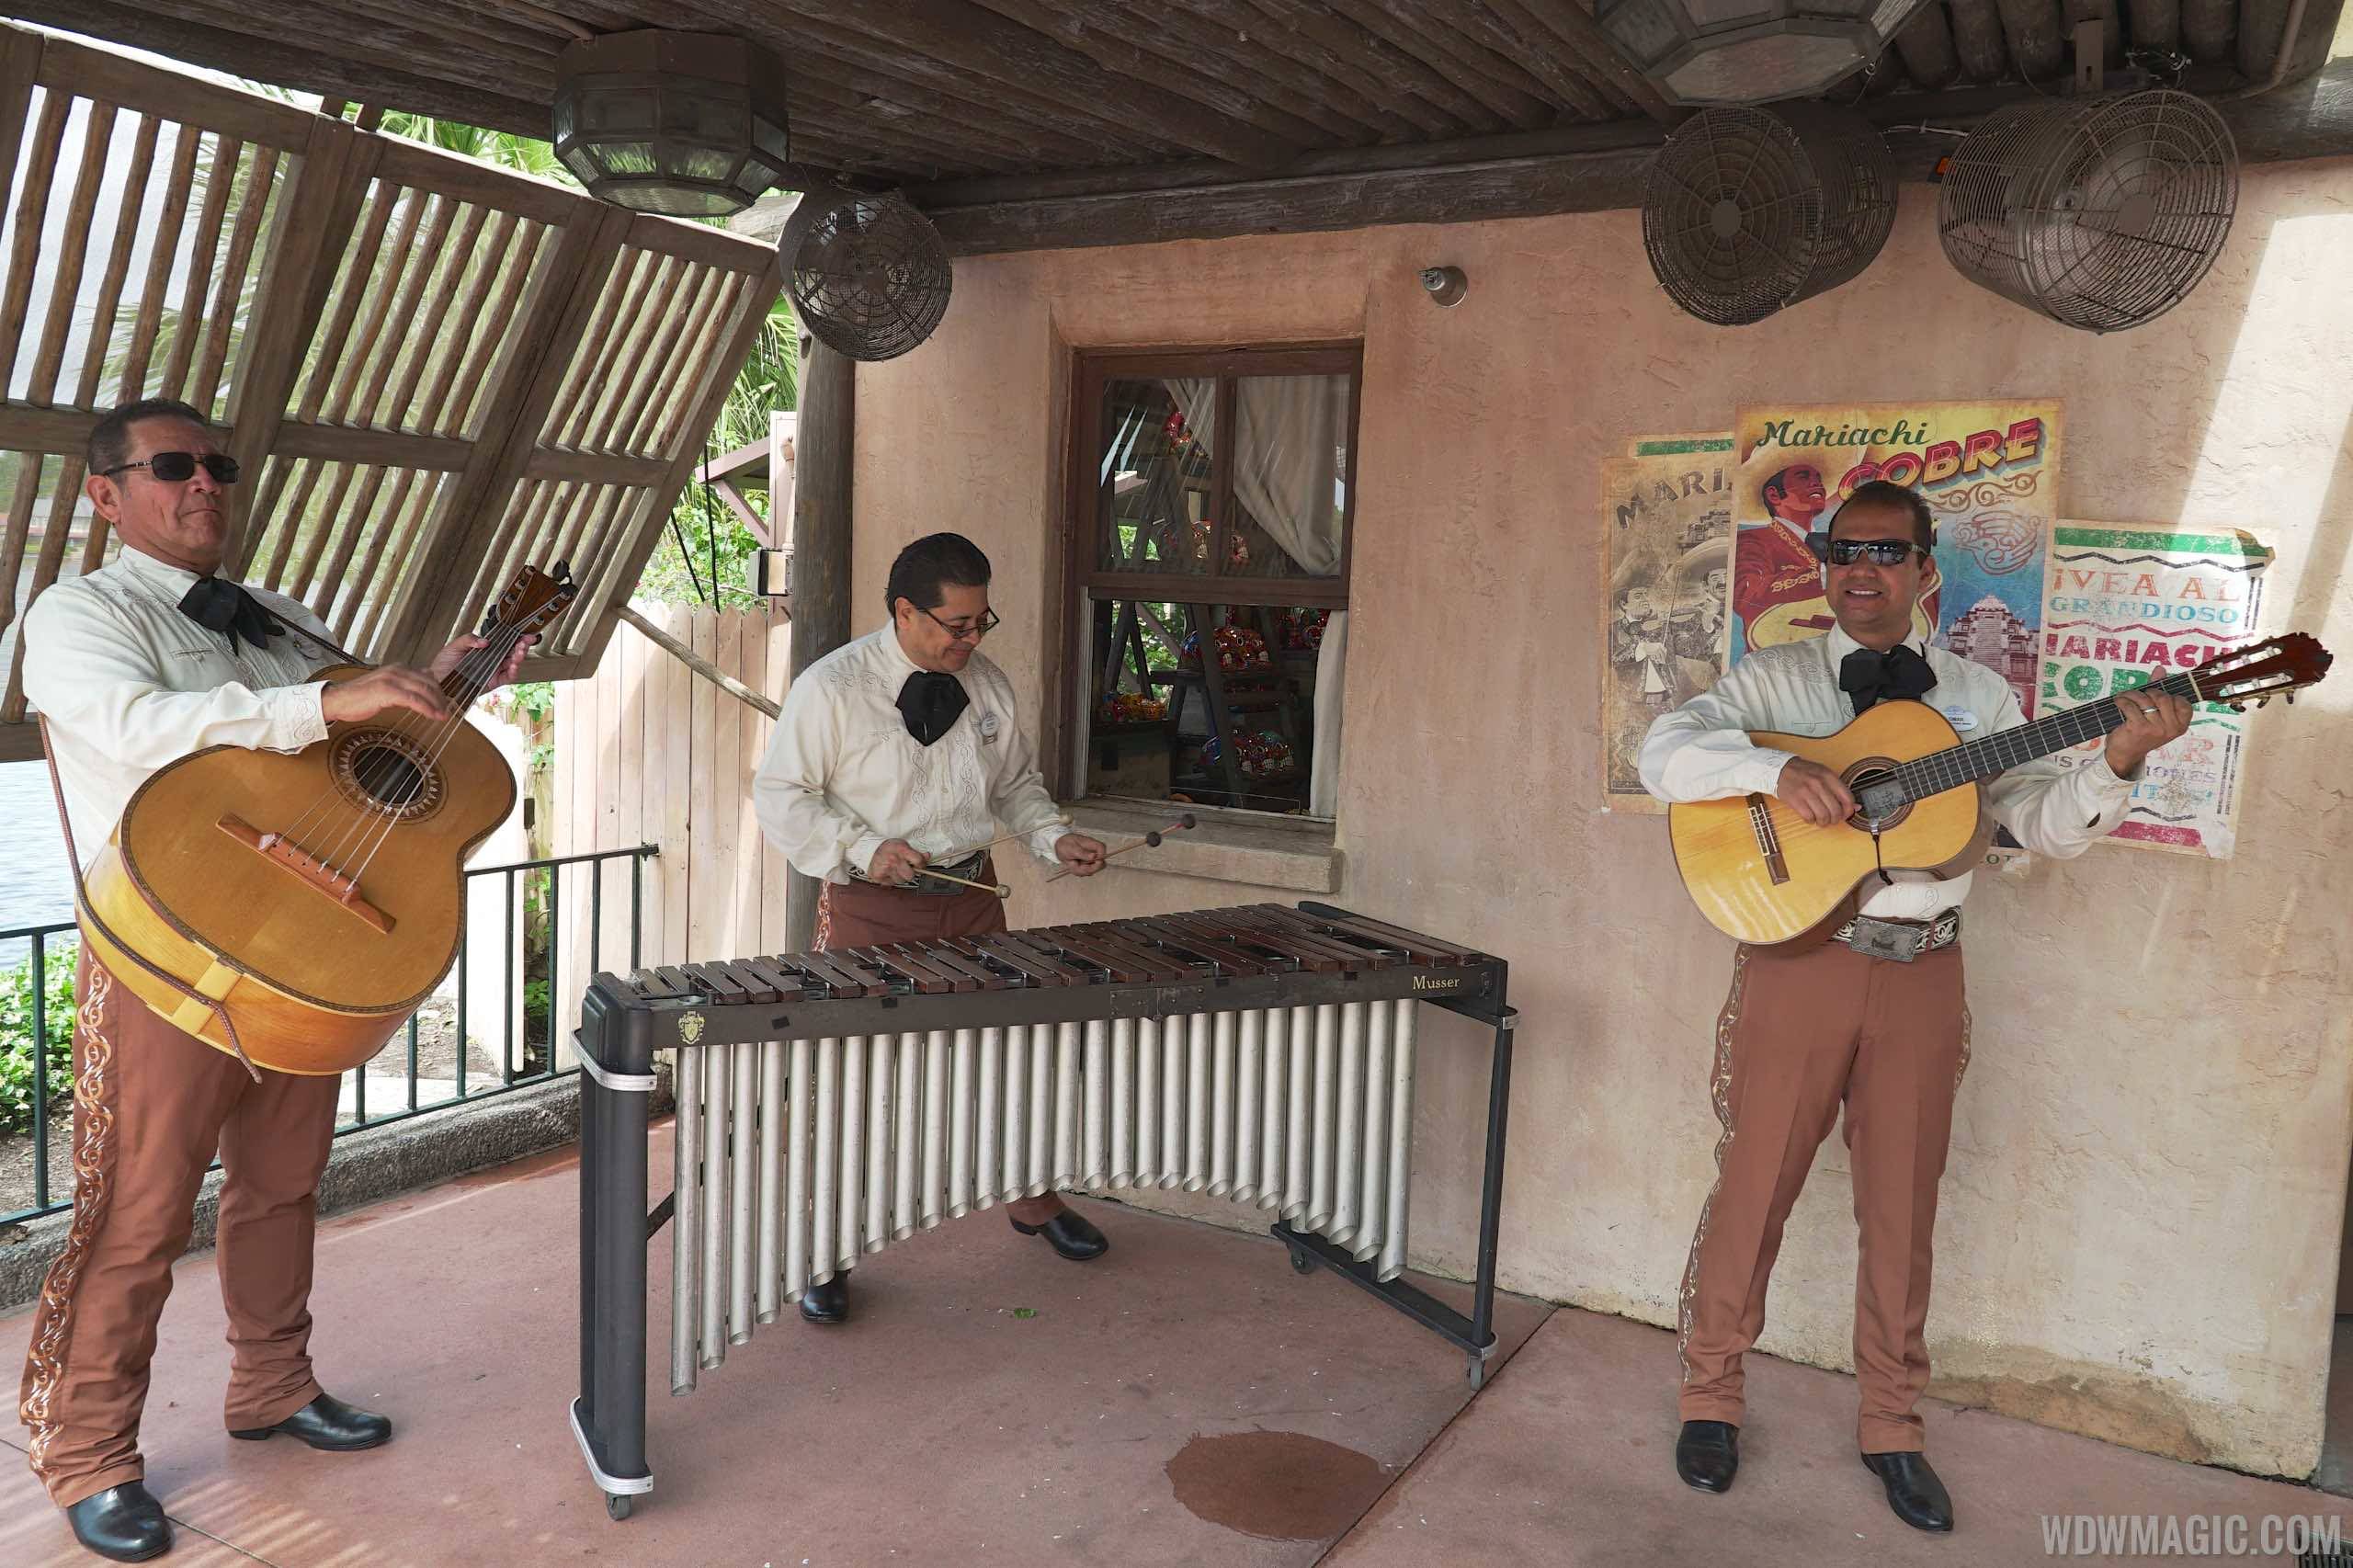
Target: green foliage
525	154
769	380
17	1040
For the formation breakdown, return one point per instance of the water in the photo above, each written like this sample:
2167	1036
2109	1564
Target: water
36	885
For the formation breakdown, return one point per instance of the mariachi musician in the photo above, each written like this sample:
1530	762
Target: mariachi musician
892	761
1872	1019
131	667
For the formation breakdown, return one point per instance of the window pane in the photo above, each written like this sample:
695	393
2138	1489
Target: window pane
1290	476
1154	508
1254	724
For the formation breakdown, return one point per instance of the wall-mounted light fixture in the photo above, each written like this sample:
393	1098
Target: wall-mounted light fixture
1446	285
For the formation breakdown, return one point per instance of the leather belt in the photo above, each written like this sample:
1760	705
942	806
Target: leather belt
1899	940
968	869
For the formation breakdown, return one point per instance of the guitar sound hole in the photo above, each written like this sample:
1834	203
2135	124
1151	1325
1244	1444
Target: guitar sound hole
388	774
1879	797
390	778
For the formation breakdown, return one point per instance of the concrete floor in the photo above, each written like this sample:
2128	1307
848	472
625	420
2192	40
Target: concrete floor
1186	1400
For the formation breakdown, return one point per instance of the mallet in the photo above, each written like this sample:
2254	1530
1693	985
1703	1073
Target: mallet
1000	889
1149	841
968	854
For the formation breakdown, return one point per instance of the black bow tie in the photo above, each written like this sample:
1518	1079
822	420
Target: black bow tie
227	609
1869	678
931	703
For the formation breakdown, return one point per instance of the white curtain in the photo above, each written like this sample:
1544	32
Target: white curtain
1285	465
1286	475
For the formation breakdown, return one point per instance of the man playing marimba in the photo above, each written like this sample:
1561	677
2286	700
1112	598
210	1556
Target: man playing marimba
893	758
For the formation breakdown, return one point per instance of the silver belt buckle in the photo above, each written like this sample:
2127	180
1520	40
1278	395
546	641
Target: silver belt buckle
1886	940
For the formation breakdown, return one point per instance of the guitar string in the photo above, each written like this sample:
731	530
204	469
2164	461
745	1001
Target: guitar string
1956	765
472	683
400	724
493	659
386	770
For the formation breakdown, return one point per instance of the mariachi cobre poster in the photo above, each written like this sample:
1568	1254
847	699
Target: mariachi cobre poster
1990	473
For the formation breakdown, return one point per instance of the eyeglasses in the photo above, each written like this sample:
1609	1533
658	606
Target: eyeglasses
1847	551
971	633
174	468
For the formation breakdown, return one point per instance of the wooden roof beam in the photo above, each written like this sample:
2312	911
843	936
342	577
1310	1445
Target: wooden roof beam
1395	73
1573	23
964	40
878	67
1284	49
271	60
1175	68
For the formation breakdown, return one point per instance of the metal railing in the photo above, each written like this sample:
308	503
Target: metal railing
525	1056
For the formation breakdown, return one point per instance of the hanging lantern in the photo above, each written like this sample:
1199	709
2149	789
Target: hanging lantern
1750	52
691	124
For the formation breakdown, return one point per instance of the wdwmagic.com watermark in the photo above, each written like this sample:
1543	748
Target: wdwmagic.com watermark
2193	1535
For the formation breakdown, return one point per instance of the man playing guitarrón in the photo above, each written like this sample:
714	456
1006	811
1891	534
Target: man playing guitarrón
1805	1032
901	752
133	667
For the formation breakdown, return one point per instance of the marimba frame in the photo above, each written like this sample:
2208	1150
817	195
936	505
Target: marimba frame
620	1034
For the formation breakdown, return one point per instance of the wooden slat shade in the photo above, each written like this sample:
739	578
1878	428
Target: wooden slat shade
390	337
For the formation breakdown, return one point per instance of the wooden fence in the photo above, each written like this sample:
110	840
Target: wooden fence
648	753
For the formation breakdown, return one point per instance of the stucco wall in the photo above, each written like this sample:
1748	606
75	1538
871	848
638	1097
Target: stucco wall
2140	1220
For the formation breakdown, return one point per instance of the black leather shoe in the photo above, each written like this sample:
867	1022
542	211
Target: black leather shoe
828	1302
1707	1454
1913	1490
124	1523
1069	1234
328	1424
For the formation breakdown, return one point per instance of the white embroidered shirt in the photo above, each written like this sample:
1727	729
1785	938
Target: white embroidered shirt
842	775
128	684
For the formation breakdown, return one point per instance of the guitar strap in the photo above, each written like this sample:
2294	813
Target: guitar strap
82	908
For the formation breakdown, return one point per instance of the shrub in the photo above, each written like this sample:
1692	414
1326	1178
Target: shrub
16	1040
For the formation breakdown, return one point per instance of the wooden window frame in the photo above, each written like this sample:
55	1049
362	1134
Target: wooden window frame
1079	581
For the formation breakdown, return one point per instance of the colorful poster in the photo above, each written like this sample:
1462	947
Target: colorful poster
1989	471
2132	603
1667	517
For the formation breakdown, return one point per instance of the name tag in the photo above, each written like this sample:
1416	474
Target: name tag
1960	719
988	729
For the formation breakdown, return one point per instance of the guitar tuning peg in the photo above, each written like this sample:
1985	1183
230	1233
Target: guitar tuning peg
2291	700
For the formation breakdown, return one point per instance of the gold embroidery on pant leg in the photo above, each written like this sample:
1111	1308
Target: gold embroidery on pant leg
1720	1093
93	1144
823	938
1968	1026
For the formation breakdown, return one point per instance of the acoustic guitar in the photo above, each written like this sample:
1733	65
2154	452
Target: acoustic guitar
293	909
1763	875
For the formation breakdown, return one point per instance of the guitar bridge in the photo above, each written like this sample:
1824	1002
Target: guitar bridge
1768	839
314	872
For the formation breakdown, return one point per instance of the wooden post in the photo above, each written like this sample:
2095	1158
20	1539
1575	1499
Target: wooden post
823	447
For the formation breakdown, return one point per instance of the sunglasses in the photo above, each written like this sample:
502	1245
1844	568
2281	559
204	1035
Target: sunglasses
1847	551
174	468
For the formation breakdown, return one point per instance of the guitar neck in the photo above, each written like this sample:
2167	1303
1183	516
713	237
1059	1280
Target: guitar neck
1951	769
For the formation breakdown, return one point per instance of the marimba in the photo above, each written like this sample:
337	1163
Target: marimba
832	1104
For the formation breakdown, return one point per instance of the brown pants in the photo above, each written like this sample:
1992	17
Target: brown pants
860	915
1799	1035
151	1105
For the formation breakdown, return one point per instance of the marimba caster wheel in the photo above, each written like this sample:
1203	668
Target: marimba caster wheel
1475	1373
1300	1263
617	1504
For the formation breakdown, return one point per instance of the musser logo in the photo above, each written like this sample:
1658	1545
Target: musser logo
2193	1535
